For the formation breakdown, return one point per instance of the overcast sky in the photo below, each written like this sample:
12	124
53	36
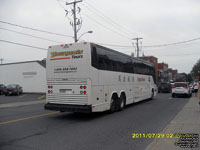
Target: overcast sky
156	21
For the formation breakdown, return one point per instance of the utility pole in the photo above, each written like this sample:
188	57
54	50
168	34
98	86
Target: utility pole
1	60
75	23
137	45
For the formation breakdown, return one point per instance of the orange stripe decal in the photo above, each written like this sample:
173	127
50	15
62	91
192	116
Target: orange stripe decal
60	58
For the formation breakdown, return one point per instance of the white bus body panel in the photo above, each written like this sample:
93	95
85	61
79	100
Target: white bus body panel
67	73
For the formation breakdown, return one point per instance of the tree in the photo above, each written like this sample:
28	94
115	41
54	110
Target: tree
196	69
189	78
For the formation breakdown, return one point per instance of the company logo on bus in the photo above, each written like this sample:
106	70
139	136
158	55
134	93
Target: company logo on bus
140	79
74	55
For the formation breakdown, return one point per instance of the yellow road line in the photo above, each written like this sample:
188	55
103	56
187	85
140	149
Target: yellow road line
31	117
41	96
23	95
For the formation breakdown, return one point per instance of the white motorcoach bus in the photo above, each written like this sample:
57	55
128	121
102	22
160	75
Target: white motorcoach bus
86	77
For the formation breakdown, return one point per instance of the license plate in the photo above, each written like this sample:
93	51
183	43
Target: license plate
66	91
10	92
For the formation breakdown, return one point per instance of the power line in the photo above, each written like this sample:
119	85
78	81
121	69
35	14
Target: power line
109	19
102	16
60	3
125	52
188	54
29	35
35	29
106	27
102	25
159	45
22	44
175	43
122	46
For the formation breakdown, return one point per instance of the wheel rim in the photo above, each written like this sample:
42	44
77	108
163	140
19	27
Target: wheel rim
122	103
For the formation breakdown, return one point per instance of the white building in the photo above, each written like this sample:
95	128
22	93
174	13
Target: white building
30	75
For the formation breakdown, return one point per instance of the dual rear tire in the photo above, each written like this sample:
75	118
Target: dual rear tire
117	103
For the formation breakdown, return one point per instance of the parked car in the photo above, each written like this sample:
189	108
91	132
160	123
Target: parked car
181	89
2	87
13	89
164	88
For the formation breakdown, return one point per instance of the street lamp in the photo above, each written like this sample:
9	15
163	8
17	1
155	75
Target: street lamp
84	34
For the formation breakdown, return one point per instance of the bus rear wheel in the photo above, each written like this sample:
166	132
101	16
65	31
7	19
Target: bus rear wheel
113	103
122	102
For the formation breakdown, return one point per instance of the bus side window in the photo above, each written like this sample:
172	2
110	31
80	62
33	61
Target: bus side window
94	57
101	62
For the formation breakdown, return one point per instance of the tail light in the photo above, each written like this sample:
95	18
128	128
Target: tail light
50	91
185	87
50	87
173	87
83	87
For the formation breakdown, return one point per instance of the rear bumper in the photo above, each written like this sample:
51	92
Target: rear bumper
68	107
10	92
181	93
164	90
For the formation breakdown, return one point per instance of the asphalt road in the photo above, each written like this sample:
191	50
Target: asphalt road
32	127
21	98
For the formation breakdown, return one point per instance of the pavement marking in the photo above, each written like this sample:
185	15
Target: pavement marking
23	95
31	117
41	96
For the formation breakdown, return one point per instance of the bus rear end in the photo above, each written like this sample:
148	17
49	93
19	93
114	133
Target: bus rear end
68	78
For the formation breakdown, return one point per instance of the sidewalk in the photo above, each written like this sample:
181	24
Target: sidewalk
186	121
